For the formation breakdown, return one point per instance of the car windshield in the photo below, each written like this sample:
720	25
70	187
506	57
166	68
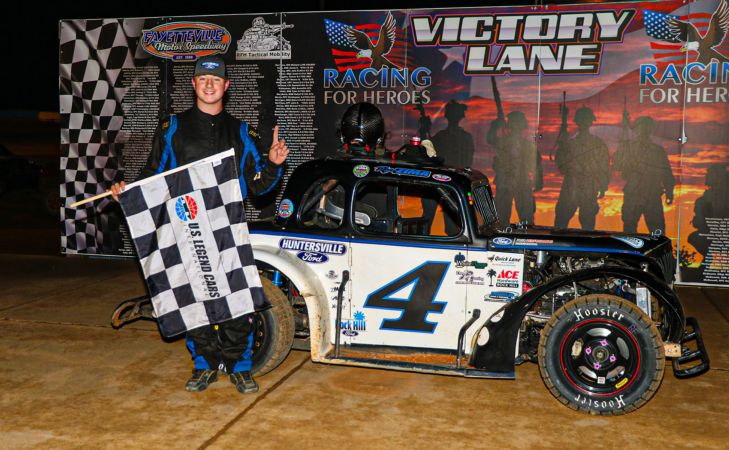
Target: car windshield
484	206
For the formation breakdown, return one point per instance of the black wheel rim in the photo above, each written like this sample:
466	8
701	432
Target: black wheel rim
260	331
600	357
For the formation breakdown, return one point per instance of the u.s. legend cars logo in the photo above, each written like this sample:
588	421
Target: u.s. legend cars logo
186	208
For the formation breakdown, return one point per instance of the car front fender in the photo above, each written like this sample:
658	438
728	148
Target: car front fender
310	288
498	353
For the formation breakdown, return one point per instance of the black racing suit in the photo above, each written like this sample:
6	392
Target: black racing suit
188	137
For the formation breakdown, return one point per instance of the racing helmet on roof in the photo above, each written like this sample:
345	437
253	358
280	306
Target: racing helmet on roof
362	127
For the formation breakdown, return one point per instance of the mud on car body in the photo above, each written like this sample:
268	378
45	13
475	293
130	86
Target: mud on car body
404	266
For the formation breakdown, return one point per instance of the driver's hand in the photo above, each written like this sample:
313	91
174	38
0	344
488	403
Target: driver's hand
116	189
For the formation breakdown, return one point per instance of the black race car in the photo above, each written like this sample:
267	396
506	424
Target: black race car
388	264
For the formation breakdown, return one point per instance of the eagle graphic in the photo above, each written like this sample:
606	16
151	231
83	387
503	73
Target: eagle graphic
376	53
705	44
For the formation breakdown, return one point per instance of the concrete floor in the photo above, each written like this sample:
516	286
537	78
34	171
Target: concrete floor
71	381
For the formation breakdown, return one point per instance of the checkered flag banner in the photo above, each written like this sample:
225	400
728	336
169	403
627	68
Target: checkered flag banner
188	226
92	55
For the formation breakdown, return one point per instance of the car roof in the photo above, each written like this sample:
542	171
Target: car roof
344	167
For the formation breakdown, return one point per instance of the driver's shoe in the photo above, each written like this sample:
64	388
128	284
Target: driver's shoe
201	379
244	382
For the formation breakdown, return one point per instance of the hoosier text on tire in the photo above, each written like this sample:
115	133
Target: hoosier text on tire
601	354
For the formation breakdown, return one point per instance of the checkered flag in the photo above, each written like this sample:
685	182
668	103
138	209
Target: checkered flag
189	228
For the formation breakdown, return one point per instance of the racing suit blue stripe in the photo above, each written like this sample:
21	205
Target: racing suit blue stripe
199	360
169	152
275	182
247	144
249	147
244	365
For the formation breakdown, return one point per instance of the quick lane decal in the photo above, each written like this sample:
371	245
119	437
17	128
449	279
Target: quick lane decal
332	248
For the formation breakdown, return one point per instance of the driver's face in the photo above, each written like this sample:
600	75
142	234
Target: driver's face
210	89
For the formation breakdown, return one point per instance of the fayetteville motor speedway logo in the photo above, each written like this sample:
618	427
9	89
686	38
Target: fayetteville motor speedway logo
185	41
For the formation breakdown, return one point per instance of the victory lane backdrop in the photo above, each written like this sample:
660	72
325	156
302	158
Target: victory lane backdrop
657	97
189	229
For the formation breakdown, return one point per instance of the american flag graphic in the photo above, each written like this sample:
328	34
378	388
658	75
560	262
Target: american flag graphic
345	52
666	46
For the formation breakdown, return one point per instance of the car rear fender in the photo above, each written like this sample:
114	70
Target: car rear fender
498	353
309	286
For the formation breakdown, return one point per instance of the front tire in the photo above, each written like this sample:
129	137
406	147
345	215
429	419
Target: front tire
601	354
273	331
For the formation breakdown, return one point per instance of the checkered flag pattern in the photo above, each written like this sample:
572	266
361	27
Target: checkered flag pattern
188	226
92	56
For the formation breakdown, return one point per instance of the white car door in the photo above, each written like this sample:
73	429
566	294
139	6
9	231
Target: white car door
405	288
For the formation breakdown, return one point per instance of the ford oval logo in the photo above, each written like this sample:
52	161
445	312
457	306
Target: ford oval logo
312	257
502	241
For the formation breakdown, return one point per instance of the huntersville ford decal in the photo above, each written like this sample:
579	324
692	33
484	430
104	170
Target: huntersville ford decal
185	41
312	257
313	247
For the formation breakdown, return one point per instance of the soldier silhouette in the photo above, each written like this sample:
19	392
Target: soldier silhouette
713	203
454	143
585	163
647	173
518	168
262	37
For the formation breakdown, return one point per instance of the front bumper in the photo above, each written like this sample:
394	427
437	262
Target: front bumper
694	359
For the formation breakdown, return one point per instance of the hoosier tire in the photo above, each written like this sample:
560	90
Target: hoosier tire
273	331
602	355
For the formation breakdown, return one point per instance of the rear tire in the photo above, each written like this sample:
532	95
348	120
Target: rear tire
602	355
273	331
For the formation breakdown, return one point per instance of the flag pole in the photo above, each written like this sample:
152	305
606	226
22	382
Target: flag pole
90	199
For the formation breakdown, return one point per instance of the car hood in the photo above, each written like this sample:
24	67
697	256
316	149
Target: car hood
547	238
